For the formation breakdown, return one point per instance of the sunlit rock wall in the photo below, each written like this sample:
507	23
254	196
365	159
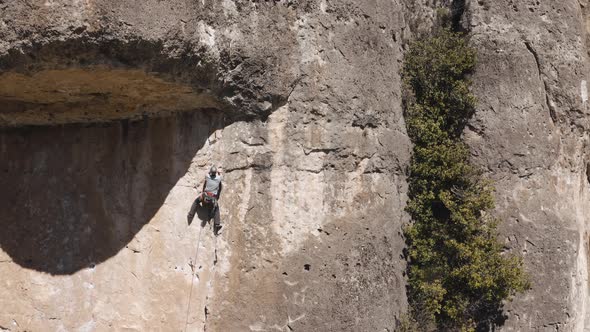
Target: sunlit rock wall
530	133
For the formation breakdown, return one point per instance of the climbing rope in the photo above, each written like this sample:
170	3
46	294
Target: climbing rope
194	269
215	258
216	210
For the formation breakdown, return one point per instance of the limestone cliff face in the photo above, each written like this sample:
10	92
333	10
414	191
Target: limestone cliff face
112	112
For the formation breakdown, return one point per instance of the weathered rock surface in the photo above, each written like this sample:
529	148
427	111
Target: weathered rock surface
298	101
531	134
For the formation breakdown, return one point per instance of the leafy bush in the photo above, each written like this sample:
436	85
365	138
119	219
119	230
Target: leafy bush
458	274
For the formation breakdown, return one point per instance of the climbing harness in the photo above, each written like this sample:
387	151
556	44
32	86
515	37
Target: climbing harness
210	198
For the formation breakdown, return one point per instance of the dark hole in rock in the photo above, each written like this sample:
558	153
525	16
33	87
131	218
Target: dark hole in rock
307	267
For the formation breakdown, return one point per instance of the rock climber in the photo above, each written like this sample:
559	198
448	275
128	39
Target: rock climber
210	196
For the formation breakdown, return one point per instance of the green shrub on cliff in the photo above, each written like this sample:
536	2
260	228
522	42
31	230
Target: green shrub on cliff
458	274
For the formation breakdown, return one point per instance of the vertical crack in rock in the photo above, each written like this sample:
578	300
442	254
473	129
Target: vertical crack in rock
551	109
457	12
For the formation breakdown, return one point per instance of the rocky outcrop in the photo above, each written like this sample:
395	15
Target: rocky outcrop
131	101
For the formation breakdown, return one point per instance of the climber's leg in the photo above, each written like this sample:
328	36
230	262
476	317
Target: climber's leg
216	220
193	210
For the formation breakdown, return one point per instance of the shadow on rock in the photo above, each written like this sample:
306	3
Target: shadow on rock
74	196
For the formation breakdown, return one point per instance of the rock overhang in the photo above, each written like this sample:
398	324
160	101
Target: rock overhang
93	79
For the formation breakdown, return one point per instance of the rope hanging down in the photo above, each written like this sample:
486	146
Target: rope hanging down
195	267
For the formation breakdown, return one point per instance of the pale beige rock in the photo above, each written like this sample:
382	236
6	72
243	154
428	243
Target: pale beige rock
531	134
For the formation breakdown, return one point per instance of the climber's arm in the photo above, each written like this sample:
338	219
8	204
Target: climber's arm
219	173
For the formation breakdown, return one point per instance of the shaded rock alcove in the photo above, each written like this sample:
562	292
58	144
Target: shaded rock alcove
76	195
93	136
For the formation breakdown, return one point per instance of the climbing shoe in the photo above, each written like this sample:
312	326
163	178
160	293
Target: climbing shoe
217	229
